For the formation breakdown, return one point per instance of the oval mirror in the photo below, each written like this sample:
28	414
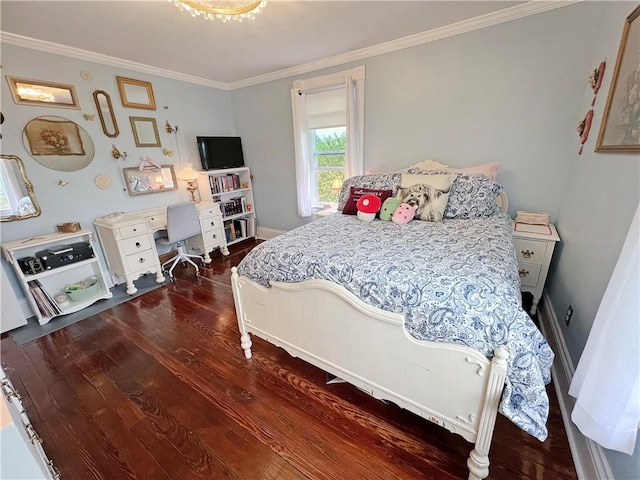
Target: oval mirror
105	112
58	143
17	200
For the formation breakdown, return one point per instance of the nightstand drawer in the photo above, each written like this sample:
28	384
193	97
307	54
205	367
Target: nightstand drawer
529	274
531	251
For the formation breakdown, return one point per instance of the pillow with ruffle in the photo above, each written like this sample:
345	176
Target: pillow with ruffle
471	196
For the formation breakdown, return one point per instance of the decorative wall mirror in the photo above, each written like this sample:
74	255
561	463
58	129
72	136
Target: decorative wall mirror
58	143
136	93
17	200
145	131
45	94
150	180
105	112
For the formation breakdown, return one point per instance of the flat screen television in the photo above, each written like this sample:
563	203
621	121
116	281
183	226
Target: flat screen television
220	152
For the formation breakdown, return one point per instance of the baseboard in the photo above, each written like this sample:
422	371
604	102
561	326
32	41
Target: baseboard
267	233
588	456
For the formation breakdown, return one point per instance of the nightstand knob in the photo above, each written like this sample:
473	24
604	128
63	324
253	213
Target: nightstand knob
526	253
523	273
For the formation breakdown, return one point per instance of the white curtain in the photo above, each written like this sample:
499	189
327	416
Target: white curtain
607	380
303	151
352	112
354	157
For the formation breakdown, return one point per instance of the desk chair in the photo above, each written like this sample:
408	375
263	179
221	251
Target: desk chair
182	223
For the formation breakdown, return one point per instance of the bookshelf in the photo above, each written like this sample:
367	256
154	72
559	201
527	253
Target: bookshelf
232	189
45	291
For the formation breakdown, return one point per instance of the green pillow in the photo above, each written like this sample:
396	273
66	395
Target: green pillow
388	207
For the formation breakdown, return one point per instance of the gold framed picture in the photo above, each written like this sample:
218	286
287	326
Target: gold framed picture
620	128
26	91
136	93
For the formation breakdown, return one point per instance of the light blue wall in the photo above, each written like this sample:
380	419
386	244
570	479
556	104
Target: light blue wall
508	93
196	110
598	202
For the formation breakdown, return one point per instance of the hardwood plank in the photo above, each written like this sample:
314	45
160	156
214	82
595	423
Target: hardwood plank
158	387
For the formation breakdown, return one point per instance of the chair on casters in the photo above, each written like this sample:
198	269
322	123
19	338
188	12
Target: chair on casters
182	223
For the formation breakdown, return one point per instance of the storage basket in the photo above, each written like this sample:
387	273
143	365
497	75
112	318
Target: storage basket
84	289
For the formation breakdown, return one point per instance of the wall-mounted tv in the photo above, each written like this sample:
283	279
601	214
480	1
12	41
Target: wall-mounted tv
220	152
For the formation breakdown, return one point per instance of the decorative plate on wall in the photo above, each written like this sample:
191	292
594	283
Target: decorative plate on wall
103	181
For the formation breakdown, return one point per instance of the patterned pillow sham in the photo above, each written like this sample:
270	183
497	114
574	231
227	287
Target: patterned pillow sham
471	196
379	181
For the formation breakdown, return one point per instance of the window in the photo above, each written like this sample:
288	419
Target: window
328	132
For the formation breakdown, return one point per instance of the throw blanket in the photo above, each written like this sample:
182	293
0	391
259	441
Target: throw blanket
454	281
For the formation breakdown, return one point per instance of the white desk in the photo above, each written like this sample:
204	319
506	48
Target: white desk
129	246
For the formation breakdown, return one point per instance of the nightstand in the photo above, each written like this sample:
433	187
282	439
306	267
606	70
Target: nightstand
534	249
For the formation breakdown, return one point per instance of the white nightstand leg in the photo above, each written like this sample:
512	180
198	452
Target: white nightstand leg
534	305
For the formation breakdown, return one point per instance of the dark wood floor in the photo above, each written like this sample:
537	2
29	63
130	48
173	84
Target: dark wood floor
158	388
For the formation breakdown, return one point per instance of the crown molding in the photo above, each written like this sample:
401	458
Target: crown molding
464	26
79	54
506	15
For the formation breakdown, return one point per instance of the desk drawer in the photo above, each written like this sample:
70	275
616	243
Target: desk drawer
158	222
209	211
135	245
530	251
130	230
211	223
141	261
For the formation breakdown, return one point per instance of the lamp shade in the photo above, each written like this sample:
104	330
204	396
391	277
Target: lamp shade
188	174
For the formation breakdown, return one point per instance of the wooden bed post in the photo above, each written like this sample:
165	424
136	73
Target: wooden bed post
478	462
245	339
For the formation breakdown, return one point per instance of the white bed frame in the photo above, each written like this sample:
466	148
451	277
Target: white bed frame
324	324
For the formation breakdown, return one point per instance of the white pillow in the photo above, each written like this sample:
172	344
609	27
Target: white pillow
429	165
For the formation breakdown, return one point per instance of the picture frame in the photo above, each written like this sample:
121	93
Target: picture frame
620	127
145	131
58	143
143	181
41	93
136	93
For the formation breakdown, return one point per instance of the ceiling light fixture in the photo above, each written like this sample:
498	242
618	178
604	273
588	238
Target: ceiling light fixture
223	10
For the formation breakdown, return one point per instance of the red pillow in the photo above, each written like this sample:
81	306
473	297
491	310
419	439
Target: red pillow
357	192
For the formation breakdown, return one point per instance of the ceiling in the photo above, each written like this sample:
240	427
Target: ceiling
287	35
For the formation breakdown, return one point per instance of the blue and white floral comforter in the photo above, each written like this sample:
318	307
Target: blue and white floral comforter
454	281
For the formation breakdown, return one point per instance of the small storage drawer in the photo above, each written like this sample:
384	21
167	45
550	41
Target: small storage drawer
211	223
157	222
141	261
529	273
530	251
135	229
134	245
208	212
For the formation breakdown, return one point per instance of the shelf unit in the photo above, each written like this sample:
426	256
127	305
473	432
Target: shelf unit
54	280
232	189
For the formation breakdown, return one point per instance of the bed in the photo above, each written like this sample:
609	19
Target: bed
427	315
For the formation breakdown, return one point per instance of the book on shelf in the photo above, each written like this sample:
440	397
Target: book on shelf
46	304
251	227
224	183
241	227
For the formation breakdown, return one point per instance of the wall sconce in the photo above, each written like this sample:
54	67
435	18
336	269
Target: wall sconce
189	175
115	153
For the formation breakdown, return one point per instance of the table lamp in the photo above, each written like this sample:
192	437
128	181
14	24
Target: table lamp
189	175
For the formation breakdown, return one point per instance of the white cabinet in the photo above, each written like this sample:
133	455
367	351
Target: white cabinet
11	314
45	285
534	252
232	189
21	455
